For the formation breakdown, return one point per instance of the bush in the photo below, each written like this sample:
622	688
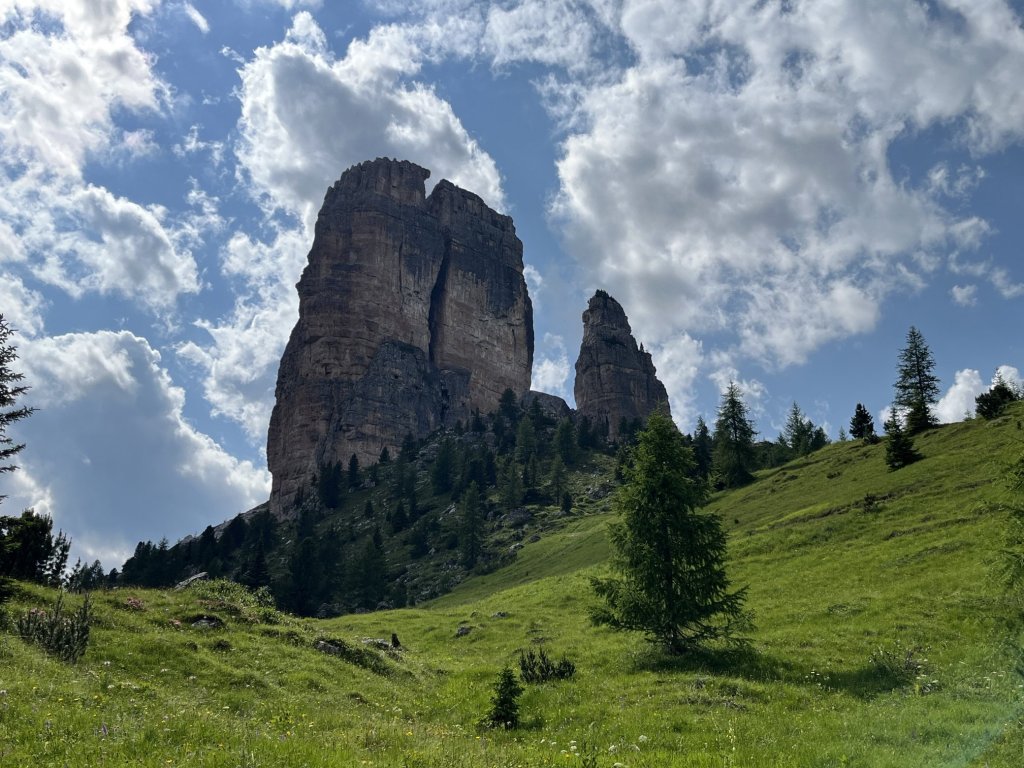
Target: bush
898	664
251	606
539	668
991	404
505	702
60	635
899	447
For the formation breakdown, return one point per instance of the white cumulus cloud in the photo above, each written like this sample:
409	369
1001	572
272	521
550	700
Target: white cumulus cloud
239	361
307	115
958	401
107	409
66	69
964	295
551	368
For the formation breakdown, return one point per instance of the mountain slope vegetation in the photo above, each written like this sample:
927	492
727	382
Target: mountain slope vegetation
881	639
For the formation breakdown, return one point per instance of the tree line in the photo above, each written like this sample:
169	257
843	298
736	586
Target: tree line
356	533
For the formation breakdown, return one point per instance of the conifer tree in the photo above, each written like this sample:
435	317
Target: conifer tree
565	441
733	452
399	518
798	431
703	448
526	441
899	445
444	464
670	557
862	426
504	711
508	407
917	386
370	573
557	478
510	485
989	405
471	523
30	551
328	485
353	472
11	389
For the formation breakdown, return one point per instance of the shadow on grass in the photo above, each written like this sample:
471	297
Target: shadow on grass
744	661
748	663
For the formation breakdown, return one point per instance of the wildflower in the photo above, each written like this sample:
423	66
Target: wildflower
613	749
642	739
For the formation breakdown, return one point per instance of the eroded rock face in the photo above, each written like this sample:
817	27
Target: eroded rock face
615	380
413	312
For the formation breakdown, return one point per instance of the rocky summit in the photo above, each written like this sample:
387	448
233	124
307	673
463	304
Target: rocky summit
413	313
616	383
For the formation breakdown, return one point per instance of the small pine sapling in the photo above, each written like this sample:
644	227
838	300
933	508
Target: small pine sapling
505	702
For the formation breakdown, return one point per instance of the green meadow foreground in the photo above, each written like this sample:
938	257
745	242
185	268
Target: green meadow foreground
880	640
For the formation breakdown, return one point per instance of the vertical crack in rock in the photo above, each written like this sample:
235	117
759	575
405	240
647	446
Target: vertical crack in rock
437	296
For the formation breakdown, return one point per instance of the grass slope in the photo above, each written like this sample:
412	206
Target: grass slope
848	565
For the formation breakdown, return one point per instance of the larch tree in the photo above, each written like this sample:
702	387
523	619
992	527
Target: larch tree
669	556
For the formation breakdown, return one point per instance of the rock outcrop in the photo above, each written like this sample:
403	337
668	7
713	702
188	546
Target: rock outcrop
413	312
551	406
615	380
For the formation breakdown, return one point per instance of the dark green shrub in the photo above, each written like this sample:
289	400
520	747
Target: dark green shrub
899	446
505	702
871	503
57	633
539	668
991	404
898	664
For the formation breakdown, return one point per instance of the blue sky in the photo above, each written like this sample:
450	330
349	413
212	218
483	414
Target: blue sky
775	191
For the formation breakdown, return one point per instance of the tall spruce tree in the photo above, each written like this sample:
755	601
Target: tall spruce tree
917	386
862	426
443	468
703	448
670	557
471	525
353	472
733	442
798	431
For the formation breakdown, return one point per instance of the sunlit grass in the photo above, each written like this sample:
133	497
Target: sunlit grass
847	564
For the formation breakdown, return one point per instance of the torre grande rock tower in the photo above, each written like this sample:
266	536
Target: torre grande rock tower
413	313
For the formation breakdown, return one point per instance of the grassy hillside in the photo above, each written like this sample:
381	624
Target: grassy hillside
879	641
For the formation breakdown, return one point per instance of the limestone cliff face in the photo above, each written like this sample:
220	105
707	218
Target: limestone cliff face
413	311
615	379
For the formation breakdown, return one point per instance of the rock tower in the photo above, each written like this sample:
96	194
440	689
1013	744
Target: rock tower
615	379
413	313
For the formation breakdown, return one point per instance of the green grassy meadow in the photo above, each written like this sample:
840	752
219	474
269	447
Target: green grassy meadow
880	640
